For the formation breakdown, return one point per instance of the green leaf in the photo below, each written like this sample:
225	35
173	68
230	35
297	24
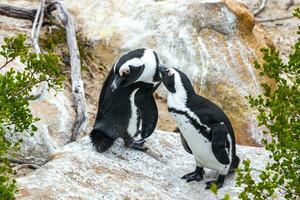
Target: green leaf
214	188
15	88
278	113
226	197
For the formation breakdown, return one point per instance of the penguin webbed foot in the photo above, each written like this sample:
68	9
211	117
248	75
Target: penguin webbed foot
136	144
196	175
219	183
139	145
140	141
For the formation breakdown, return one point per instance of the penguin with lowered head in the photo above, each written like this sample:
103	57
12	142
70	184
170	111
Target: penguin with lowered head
126	105
206	131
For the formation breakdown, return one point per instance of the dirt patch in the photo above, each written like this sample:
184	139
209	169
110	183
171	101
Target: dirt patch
165	120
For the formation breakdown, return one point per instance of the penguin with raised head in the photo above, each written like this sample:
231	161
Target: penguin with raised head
206	130
126	105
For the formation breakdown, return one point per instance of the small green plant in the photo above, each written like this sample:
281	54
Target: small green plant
51	40
214	189
55	41
15	88
278	111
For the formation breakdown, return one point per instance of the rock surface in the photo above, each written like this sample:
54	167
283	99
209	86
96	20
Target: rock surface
77	171
54	127
283	32
56	117
214	42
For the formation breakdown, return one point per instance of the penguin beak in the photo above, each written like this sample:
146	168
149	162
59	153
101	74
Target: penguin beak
162	68
116	83
113	86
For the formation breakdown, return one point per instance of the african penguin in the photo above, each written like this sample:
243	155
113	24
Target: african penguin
126	105
206	130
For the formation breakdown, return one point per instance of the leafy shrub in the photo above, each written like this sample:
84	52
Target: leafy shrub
278	111
15	88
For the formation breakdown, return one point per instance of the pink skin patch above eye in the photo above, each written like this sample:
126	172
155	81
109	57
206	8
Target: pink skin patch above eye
123	71
170	71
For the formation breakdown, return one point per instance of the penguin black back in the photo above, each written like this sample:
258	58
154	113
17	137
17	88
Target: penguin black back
113	115
126	99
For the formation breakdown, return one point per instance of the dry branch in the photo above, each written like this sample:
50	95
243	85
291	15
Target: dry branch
22	166
274	19
261	7
24	163
77	84
290	4
17	12
35	33
89	62
23	13
36	27
37	16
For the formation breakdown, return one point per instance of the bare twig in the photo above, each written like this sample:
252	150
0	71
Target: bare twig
89	62
35	33
289	4
261	7
26	87
77	84
92	74
274	19
6	63
21	166
23	162
36	27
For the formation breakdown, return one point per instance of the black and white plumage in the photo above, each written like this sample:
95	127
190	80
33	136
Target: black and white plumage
126	105
206	130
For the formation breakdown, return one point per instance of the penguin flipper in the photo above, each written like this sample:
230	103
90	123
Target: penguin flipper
219	137
148	111
104	91
156	86
185	144
235	163
106	85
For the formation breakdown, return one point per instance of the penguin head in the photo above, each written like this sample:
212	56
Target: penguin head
168	78
175	80
140	65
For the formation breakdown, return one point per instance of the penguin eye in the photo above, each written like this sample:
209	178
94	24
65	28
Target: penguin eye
127	71
124	71
170	71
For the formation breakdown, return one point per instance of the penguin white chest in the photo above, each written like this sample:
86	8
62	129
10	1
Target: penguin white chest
133	120
199	145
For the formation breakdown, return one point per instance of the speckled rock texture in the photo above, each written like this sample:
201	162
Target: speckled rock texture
77	171
214	42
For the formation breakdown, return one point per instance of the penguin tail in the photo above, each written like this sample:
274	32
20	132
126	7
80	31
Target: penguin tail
100	140
235	163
